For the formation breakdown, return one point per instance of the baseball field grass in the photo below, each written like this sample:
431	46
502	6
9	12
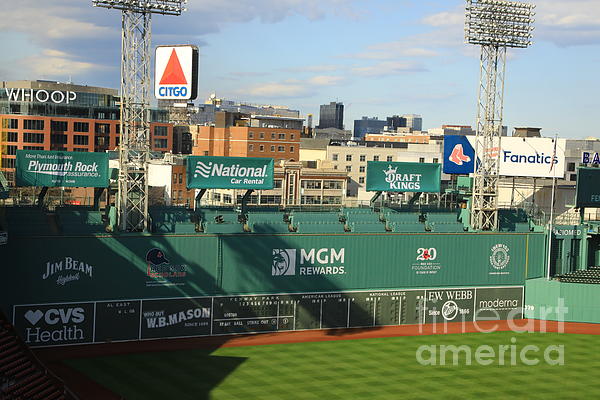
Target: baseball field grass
385	368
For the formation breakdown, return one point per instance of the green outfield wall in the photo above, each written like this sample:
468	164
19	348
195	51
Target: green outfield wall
556	301
57	280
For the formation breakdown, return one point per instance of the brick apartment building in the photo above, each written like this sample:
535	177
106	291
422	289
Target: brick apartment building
245	135
41	115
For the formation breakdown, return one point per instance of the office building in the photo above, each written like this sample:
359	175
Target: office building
366	125
44	115
246	135
331	116
413	121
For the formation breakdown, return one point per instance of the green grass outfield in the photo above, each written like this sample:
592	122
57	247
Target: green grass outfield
353	369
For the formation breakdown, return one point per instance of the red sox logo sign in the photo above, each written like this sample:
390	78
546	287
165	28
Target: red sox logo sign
426	254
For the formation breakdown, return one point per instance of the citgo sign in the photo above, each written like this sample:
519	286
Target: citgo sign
229	173
176	73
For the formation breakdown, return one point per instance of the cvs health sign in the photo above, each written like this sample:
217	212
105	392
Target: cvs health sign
176	72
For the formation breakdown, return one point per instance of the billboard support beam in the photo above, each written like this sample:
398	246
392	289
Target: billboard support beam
495	26
134	146
42	196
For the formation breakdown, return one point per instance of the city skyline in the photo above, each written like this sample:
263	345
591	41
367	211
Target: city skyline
379	58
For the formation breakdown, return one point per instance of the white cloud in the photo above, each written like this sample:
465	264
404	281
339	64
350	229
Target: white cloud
277	90
54	63
325	80
387	68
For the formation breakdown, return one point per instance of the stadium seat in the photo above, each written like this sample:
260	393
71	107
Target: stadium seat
226	227
446	227
367	227
27	221
413	227
319	227
172	220
270	227
73	221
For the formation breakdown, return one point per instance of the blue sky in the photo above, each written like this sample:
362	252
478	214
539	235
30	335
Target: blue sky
379	57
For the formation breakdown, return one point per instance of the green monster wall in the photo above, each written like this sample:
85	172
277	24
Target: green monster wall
103	285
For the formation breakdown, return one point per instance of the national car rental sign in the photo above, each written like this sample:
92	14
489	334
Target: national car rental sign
176	72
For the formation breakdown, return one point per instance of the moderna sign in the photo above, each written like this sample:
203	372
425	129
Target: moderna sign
526	157
176	72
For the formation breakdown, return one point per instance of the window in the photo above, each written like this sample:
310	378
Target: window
281	148
250	135
292	136
390	158
334	157
310	200
282	136
227	198
375	158
58	139
81	140
291	149
270	199
332	185
261	147
32	148
277	184
160	143
205	152
13	123
174	178
8	162
118	128
571	166
59	126
436	160
422	159
361	168
273	136
361	179
272	148
81	127
363	158
180	178
348	168
332	200
310	184
34	124
30	137
250	147
160	131
102	128
217	196
348	157
82	150
11	150
101	141
12	137
261	135
573	177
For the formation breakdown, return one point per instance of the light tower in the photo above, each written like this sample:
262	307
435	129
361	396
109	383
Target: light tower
495	26
134	146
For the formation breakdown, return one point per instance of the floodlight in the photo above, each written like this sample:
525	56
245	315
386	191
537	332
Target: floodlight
165	7
499	23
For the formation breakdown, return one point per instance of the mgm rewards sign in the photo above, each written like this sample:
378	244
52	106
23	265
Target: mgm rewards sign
403	177
229	173
61	169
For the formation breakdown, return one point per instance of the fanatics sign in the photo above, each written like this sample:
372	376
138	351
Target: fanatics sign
176	72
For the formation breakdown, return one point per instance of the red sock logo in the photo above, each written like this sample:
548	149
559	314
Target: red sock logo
458	156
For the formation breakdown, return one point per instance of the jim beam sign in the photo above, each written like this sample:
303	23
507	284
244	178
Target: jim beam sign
229	173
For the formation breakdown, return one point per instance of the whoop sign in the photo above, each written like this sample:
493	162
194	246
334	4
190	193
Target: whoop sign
403	177
61	168
229	173
176	72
